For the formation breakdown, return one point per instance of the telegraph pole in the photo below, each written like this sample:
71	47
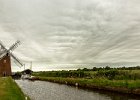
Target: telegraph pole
31	66
24	66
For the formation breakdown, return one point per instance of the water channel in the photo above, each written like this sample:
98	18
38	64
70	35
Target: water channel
40	90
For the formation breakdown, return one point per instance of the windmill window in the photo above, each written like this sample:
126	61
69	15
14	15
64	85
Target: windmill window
4	61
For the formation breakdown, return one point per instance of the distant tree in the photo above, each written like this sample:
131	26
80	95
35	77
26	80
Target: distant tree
78	69
27	71
94	69
107	68
100	68
85	69
123	68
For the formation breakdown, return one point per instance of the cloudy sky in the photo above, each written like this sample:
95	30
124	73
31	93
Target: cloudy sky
92	32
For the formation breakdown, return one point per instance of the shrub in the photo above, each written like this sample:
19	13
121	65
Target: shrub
110	74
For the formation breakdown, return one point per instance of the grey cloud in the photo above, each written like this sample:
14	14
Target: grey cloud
73	32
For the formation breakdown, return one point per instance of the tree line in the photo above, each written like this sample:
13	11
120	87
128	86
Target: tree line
109	68
122	73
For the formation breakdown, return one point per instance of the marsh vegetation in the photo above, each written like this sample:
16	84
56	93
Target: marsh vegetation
123	79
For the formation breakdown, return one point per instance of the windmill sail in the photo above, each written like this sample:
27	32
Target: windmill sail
14	46
2	55
2	45
16	59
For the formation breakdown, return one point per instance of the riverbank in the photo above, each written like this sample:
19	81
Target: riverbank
120	86
9	90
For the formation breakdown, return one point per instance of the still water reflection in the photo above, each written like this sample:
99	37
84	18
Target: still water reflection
40	90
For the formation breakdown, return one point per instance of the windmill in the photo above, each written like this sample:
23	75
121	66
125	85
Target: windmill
5	58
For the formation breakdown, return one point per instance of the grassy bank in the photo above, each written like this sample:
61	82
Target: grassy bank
9	90
124	81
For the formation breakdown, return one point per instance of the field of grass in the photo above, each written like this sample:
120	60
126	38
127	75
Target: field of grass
130	84
9	90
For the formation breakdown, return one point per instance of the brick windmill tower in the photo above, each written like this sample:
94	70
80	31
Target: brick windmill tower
5	59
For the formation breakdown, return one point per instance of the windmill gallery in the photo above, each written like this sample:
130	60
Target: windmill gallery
5	58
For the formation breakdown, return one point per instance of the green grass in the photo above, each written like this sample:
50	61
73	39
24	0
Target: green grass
9	90
131	84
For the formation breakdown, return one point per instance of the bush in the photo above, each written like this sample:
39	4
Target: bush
79	73
110	74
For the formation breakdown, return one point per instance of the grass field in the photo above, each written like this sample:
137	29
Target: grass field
130	84
9	90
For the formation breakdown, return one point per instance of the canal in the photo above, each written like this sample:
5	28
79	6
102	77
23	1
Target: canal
40	90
